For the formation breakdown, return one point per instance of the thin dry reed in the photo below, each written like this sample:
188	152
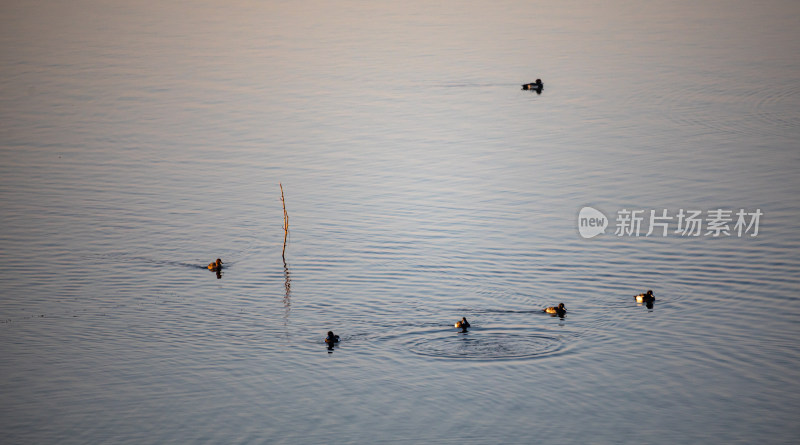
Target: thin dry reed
285	223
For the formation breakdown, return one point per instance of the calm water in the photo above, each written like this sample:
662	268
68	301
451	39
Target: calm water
141	140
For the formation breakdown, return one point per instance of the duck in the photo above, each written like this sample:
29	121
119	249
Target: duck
646	297
463	324
538	85
331	338
559	310
215	265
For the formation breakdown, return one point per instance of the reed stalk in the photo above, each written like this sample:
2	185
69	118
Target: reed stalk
285	224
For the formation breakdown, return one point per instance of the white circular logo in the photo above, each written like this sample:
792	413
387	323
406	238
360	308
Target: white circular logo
591	222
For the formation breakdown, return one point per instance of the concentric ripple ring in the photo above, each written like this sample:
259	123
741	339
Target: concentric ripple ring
484	344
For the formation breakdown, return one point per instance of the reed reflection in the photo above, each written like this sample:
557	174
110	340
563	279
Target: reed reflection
287	290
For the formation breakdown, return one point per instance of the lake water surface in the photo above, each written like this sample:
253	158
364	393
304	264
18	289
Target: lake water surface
141	140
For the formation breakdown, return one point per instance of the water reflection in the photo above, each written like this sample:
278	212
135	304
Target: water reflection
648	304
287	297
287	290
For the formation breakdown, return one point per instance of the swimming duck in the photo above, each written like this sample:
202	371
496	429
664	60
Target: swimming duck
538	85
463	324
331	338
645	297
216	265
559	310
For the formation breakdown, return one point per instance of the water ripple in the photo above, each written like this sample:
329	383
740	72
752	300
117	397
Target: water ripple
484	343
